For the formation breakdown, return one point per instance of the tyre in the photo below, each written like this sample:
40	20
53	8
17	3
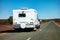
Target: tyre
37	26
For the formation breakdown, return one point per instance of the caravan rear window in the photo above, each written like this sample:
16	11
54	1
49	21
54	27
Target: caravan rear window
22	15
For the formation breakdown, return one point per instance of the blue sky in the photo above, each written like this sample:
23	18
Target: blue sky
47	9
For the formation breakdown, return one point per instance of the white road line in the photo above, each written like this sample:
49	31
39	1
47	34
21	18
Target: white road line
29	38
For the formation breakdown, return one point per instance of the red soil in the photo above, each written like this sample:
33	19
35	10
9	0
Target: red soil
6	27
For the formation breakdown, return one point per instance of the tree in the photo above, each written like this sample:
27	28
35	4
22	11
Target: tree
10	19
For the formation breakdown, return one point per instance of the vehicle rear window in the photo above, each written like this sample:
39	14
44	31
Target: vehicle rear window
22	15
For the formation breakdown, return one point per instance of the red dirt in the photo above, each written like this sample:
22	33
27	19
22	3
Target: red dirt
6	27
58	23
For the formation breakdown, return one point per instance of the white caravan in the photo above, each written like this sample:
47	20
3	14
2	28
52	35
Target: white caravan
25	18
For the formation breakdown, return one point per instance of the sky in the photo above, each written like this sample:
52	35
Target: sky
47	9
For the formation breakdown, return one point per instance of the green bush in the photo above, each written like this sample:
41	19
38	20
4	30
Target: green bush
10	20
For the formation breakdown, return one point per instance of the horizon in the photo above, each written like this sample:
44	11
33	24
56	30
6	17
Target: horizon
39	19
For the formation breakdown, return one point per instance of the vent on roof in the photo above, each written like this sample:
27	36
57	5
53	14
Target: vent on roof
24	8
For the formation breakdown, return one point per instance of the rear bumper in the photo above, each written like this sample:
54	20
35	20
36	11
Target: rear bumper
26	26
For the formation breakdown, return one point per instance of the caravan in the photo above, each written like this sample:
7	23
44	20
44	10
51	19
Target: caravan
25	18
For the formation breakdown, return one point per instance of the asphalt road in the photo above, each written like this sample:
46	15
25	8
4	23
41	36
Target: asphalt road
47	31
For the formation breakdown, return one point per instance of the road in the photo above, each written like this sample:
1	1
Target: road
48	31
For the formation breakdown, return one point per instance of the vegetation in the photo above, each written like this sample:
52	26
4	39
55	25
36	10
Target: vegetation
10	20
6	21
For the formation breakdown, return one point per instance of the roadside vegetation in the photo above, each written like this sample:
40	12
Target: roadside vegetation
8	21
